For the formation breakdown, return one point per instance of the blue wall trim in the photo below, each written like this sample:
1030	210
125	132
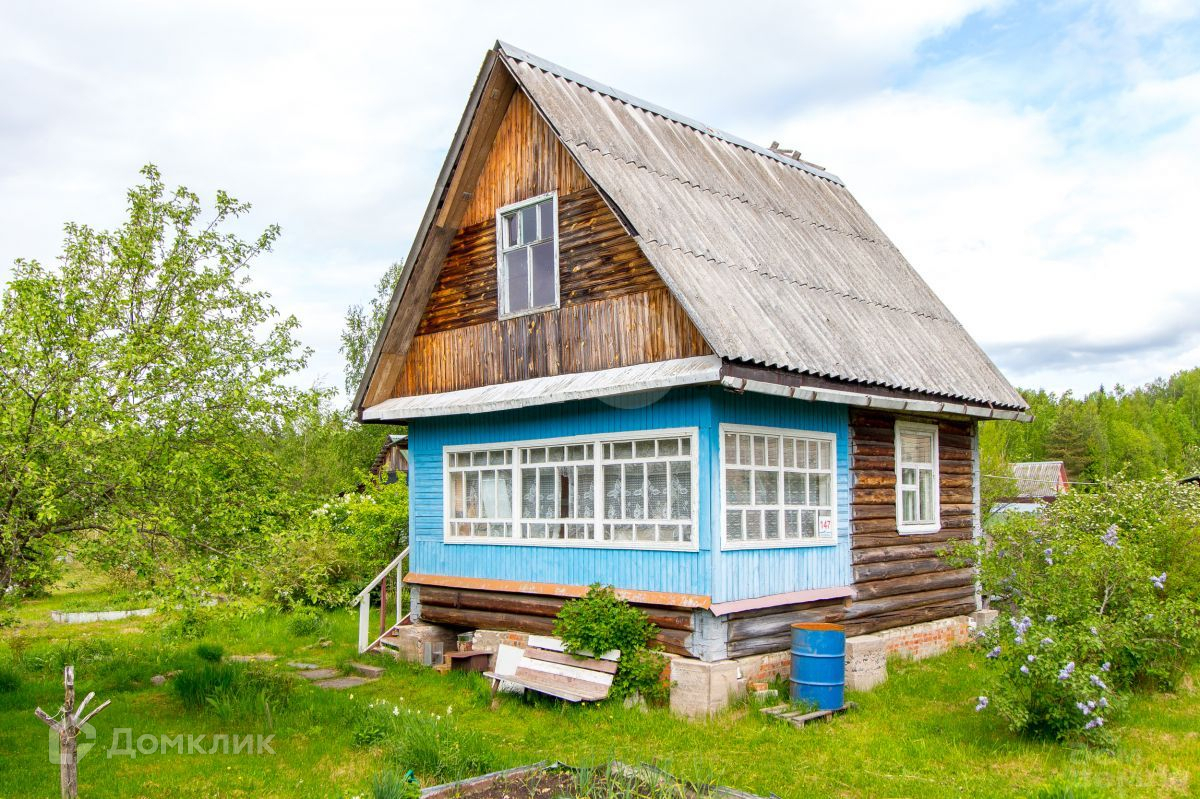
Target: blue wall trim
724	576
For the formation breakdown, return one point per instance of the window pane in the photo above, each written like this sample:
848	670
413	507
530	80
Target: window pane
795	488
766	488
733	525
908	477
825	455
916	448
926	492
472	495
547	494
791	523
668	447
753	525
737	487
585	504
623	450
528	224
487	494
744	450
823	486
808	524
546	215
681	490
544	291
658	496
635	505
908	506
503	494
510	231
612	492
456	483
771	525
518	280
789	453
685	446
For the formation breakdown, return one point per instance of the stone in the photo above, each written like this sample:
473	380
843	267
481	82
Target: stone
261	657
341	682
866	662
982	619
158	679
319	674
700	689
303	666
374	672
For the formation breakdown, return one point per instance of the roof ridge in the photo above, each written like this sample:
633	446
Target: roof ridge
724	194
770	275
545	65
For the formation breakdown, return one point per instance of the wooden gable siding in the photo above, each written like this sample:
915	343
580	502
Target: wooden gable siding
614	310
900	579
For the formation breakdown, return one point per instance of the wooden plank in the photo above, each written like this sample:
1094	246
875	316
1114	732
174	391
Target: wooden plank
899	551
532	605
556	645
548	683
592	664
890	569
635	596
563	670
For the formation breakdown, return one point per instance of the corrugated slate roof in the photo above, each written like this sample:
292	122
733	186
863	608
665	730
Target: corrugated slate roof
1038	478
773	259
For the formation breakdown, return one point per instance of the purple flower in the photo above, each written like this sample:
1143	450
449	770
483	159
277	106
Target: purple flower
1105	666
1160	581
1031	658
995	653
1022	626
1049	560
1047	641
1099	683
1103	702
1084	709
1095	722
1110	536
983	702
1051	619
1066	671
1024	669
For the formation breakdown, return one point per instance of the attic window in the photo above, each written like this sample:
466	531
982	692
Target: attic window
527	255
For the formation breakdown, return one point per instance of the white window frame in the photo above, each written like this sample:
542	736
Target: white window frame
916	528
597	542
502	273
782	543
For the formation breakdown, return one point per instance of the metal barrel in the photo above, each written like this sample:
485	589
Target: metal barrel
819	664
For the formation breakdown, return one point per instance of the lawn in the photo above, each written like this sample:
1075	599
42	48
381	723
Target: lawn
917	735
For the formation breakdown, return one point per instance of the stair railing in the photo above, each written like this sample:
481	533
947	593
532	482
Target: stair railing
363	600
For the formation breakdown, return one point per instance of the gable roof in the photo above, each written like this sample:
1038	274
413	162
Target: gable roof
773	260
1039	478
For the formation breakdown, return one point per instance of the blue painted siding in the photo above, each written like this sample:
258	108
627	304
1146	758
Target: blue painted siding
748	573
725	576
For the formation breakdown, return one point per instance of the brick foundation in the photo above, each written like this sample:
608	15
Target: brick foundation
920	641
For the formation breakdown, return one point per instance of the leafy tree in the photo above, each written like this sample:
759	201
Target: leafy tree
363	325
137	380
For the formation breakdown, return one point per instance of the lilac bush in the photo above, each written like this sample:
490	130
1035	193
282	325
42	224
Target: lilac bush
1099	594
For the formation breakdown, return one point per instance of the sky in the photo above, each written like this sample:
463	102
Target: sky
1039	164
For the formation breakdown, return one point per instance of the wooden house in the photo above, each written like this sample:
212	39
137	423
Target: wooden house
632	349
1035	484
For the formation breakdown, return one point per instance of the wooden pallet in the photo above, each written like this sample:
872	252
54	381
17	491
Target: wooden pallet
798	718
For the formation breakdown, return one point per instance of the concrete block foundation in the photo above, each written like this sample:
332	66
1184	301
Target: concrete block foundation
866	662
702	688
410	639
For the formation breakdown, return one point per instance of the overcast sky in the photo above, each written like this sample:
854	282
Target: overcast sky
1039	166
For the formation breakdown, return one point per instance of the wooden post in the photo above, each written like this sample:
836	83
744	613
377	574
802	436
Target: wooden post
383	614
68	728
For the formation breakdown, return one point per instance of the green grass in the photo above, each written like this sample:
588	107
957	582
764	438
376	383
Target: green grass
917	735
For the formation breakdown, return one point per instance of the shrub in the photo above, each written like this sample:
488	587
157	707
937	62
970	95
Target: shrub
1102	595
601	621
210	652
305	622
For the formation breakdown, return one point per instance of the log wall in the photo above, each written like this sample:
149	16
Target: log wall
901	579
614	308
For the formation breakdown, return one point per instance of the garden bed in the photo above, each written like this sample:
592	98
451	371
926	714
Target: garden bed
558	781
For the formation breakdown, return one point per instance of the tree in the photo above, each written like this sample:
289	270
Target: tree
137	380
363	325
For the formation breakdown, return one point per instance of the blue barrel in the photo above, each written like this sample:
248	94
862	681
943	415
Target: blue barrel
819	664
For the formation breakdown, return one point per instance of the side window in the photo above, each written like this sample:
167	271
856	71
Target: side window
527	251
917	489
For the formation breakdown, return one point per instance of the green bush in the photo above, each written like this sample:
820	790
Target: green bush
305	622
210	652
430	744
1102	595
10	679
390	785
601	621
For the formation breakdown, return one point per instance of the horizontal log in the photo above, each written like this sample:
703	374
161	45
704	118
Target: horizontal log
872	510
873	495
905	551
914	583
529	605
880	434
861	420
876	463
873	479
871	449
909	617
956	468
780	609
955	440
890	569
780	624
872	540
893	604
954	454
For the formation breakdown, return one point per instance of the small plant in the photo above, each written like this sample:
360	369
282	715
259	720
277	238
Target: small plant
306	622
210	652
430	744
601	621
390	785
232	689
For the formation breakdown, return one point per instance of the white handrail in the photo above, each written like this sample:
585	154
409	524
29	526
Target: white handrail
379	577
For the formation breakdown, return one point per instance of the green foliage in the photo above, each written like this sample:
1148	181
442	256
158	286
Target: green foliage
233	689
210	652
433	745
601	621
1102	592
327	556
363	325
137	380
390	785
10	679
305	622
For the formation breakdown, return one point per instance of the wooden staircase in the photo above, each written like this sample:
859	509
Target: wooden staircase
391	613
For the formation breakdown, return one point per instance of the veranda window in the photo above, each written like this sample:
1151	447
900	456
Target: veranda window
527	251
779	487
917	496
617	491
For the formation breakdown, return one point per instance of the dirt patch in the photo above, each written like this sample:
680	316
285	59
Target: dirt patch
561	782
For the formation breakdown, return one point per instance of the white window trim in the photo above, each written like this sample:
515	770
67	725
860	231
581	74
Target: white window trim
597	543
910	528
726	544
502	275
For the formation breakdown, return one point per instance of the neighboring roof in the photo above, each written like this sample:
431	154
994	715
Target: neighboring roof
1039	478
772	259
547	390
